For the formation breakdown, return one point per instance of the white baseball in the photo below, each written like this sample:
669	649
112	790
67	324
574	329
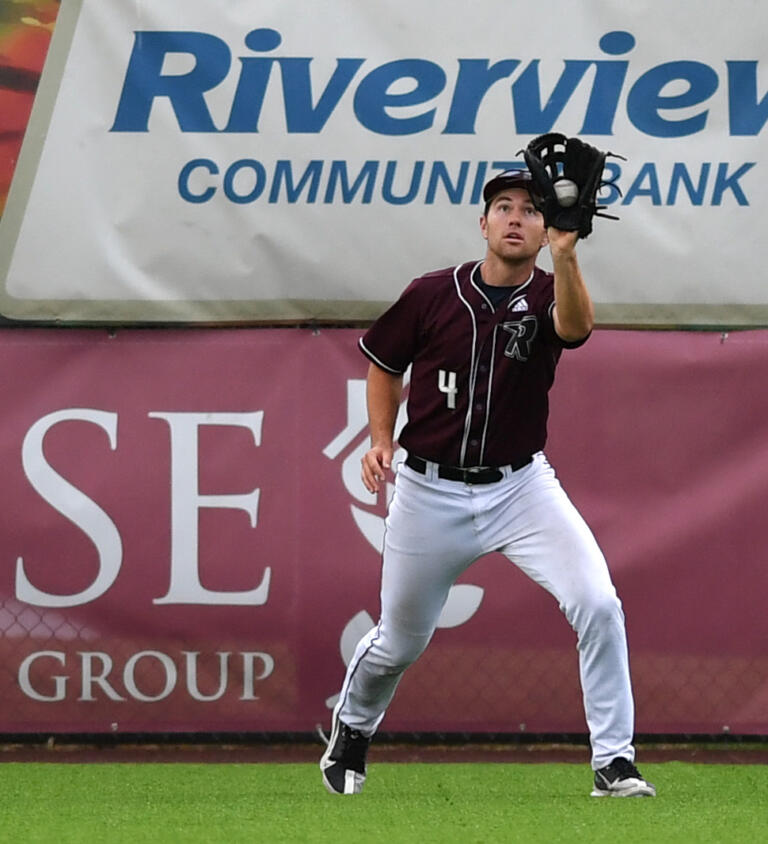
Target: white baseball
567	192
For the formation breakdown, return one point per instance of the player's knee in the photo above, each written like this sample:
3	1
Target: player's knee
406	656
400	650
607	609
598	610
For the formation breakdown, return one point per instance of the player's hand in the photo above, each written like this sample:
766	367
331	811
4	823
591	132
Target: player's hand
376	462
561	242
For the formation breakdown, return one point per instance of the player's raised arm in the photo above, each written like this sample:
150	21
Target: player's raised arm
383	393
574	314
567	175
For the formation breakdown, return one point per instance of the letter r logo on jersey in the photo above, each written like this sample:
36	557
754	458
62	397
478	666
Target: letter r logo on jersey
523	331
446	383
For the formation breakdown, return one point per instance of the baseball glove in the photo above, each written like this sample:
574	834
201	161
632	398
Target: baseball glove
554	158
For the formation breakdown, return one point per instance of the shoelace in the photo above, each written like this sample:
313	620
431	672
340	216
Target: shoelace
353	747
625	768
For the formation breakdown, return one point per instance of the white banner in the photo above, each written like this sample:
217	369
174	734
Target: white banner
199	161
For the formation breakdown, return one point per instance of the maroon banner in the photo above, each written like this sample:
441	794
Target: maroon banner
188	547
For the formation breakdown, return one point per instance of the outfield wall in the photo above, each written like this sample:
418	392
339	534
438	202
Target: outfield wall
188	547
187	543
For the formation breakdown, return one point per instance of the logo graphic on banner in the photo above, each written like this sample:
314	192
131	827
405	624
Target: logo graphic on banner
189	162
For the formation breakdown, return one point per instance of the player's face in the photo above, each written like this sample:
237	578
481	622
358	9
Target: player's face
513	227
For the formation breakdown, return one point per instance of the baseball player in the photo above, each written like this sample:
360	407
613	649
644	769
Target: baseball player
483	339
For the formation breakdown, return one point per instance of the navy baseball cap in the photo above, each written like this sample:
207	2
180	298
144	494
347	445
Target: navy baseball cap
506	180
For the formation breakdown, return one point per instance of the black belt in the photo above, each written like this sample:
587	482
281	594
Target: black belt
484	475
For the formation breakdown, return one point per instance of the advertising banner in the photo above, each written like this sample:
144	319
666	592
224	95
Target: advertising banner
224	162
187	544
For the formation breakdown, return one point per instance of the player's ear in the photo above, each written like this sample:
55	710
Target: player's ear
545	237
484	226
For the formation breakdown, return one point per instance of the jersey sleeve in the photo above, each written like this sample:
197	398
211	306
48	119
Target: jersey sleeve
547	317
391	342
556	338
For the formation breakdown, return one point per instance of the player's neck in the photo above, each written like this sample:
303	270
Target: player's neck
500	273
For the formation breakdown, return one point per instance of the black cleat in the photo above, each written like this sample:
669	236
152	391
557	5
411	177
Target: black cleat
621	779
343	763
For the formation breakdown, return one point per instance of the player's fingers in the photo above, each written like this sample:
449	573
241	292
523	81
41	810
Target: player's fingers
369	479
372	470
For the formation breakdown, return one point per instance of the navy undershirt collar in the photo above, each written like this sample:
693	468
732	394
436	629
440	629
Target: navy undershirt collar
496	294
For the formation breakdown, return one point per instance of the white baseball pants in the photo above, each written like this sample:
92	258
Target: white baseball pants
436	529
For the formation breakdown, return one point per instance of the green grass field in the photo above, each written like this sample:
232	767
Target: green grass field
401	803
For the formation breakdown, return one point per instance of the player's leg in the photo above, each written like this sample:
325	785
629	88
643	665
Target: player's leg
428	543
550	541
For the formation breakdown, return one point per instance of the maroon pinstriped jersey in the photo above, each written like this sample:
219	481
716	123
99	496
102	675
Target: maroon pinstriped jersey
481	374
